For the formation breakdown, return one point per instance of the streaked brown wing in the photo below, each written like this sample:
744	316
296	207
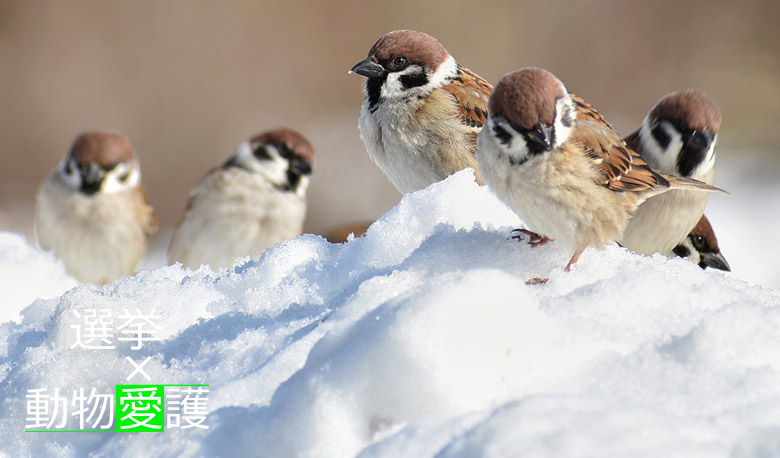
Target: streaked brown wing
472	93
622	168
585	112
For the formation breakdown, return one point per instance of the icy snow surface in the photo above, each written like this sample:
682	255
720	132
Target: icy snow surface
422	339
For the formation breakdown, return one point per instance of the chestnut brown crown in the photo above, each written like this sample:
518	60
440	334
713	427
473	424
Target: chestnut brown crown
691	107
416	47
527	97
290	139
104	149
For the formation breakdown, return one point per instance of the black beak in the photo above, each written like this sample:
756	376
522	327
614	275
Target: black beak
698	140
91	178
714	260
368	68
541	137
301	167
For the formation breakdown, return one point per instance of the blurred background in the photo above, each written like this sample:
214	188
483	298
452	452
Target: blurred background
187	81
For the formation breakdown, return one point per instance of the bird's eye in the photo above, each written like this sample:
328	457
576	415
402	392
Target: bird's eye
123	177
698	241
398	63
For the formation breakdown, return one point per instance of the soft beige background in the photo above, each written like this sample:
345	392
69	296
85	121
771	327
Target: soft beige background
187	81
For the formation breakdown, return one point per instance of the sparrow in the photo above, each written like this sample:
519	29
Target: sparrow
253	201
421	110
92	210
701	247
555	161
677	137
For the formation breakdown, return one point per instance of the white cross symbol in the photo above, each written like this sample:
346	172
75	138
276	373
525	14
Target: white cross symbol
138	368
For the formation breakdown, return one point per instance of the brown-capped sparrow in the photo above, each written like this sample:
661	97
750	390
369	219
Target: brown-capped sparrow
677	137
253	201
92	210
421	110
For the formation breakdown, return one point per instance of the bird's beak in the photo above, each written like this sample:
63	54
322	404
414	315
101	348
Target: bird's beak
91	178
368	68
714	260
301	166
541	136
698	140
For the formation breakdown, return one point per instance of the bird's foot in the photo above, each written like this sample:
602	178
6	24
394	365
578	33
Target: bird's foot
534	239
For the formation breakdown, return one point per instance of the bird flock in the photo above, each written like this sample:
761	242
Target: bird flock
546	153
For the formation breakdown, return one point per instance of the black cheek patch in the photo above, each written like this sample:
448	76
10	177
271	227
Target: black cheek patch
414	80
661	136
503	136
567	120
681	251
261	153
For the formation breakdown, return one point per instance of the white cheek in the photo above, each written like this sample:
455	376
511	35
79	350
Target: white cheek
676	142
243	155
393	88
517	149
303	186
70	176
563	107
275	169
665	160
701	170
113	184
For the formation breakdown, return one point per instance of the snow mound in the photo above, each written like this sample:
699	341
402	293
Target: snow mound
422	339
27	274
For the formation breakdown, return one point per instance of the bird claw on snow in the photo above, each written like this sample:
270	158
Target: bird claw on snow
534	239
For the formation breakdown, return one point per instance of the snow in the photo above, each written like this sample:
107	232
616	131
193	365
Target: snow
28	274
420	339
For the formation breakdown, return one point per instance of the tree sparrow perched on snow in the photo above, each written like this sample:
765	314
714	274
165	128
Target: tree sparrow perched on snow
678	137
92	210
253	201
701	247
421	112
555	161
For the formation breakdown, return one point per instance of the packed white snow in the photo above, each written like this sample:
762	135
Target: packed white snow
421	339
27	274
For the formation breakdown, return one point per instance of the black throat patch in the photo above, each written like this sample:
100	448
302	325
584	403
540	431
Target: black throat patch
374	91
689	159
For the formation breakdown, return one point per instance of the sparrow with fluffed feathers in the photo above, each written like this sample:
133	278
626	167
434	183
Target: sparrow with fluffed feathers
555	161
421	111
253	201
678	137
92	210
701	247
